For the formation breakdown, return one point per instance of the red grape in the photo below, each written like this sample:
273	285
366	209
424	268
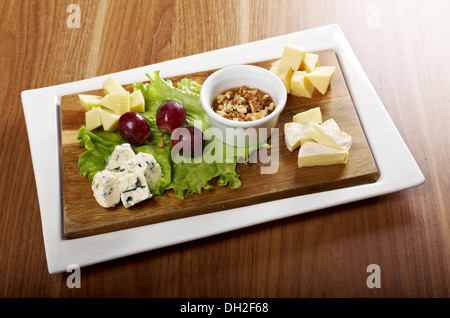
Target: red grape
170	115
134	128
190	140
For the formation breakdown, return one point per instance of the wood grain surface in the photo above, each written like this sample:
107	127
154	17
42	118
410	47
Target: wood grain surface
403	47
83	216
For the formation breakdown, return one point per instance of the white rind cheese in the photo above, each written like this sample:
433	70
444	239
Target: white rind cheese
120	154
314	154
330	122
133	189
105	188
295	135
331	136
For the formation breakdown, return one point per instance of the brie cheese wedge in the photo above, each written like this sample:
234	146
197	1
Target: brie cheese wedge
314	154
295	135
330	136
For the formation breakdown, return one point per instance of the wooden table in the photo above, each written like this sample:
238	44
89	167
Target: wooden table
404	48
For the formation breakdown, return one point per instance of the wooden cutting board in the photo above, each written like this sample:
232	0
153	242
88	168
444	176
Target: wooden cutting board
83	216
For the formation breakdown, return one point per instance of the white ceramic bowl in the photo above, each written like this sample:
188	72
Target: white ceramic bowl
240	133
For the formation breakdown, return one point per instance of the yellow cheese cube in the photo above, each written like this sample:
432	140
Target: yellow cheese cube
311	115
300	86
112	86
284	75
118	102
109	120
92	118
292	57
276	63
310	62
137	102
330	136
314	154
321	77
89	101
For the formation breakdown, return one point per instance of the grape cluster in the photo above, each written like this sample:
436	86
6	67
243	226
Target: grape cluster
170	118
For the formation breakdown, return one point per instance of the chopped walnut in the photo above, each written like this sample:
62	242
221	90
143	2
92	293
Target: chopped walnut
243	104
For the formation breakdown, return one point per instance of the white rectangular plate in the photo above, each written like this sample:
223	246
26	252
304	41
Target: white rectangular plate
41	109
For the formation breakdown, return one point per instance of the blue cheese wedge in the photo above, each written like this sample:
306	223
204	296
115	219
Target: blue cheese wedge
146	164
314	154
105	186
151	168
133	189
120	154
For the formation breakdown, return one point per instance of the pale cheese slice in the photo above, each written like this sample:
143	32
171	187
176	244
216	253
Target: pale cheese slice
109	120
92	118
330	136
310	62
292	57
321	77
314	154
112	86
311	115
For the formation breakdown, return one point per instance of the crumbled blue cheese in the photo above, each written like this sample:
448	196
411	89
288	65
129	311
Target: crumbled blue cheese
105	188
127	177
145	163
133	189
120	154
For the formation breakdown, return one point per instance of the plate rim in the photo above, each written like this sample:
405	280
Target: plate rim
394	175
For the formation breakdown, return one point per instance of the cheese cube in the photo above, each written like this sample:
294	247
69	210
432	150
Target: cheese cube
118	102
120	154
321	77
109	120
89	101
133	189
310	62
93	119
284	75
105	187
311	115
276	63
292	57
300	86
112	86
137	102
330	136
314	154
